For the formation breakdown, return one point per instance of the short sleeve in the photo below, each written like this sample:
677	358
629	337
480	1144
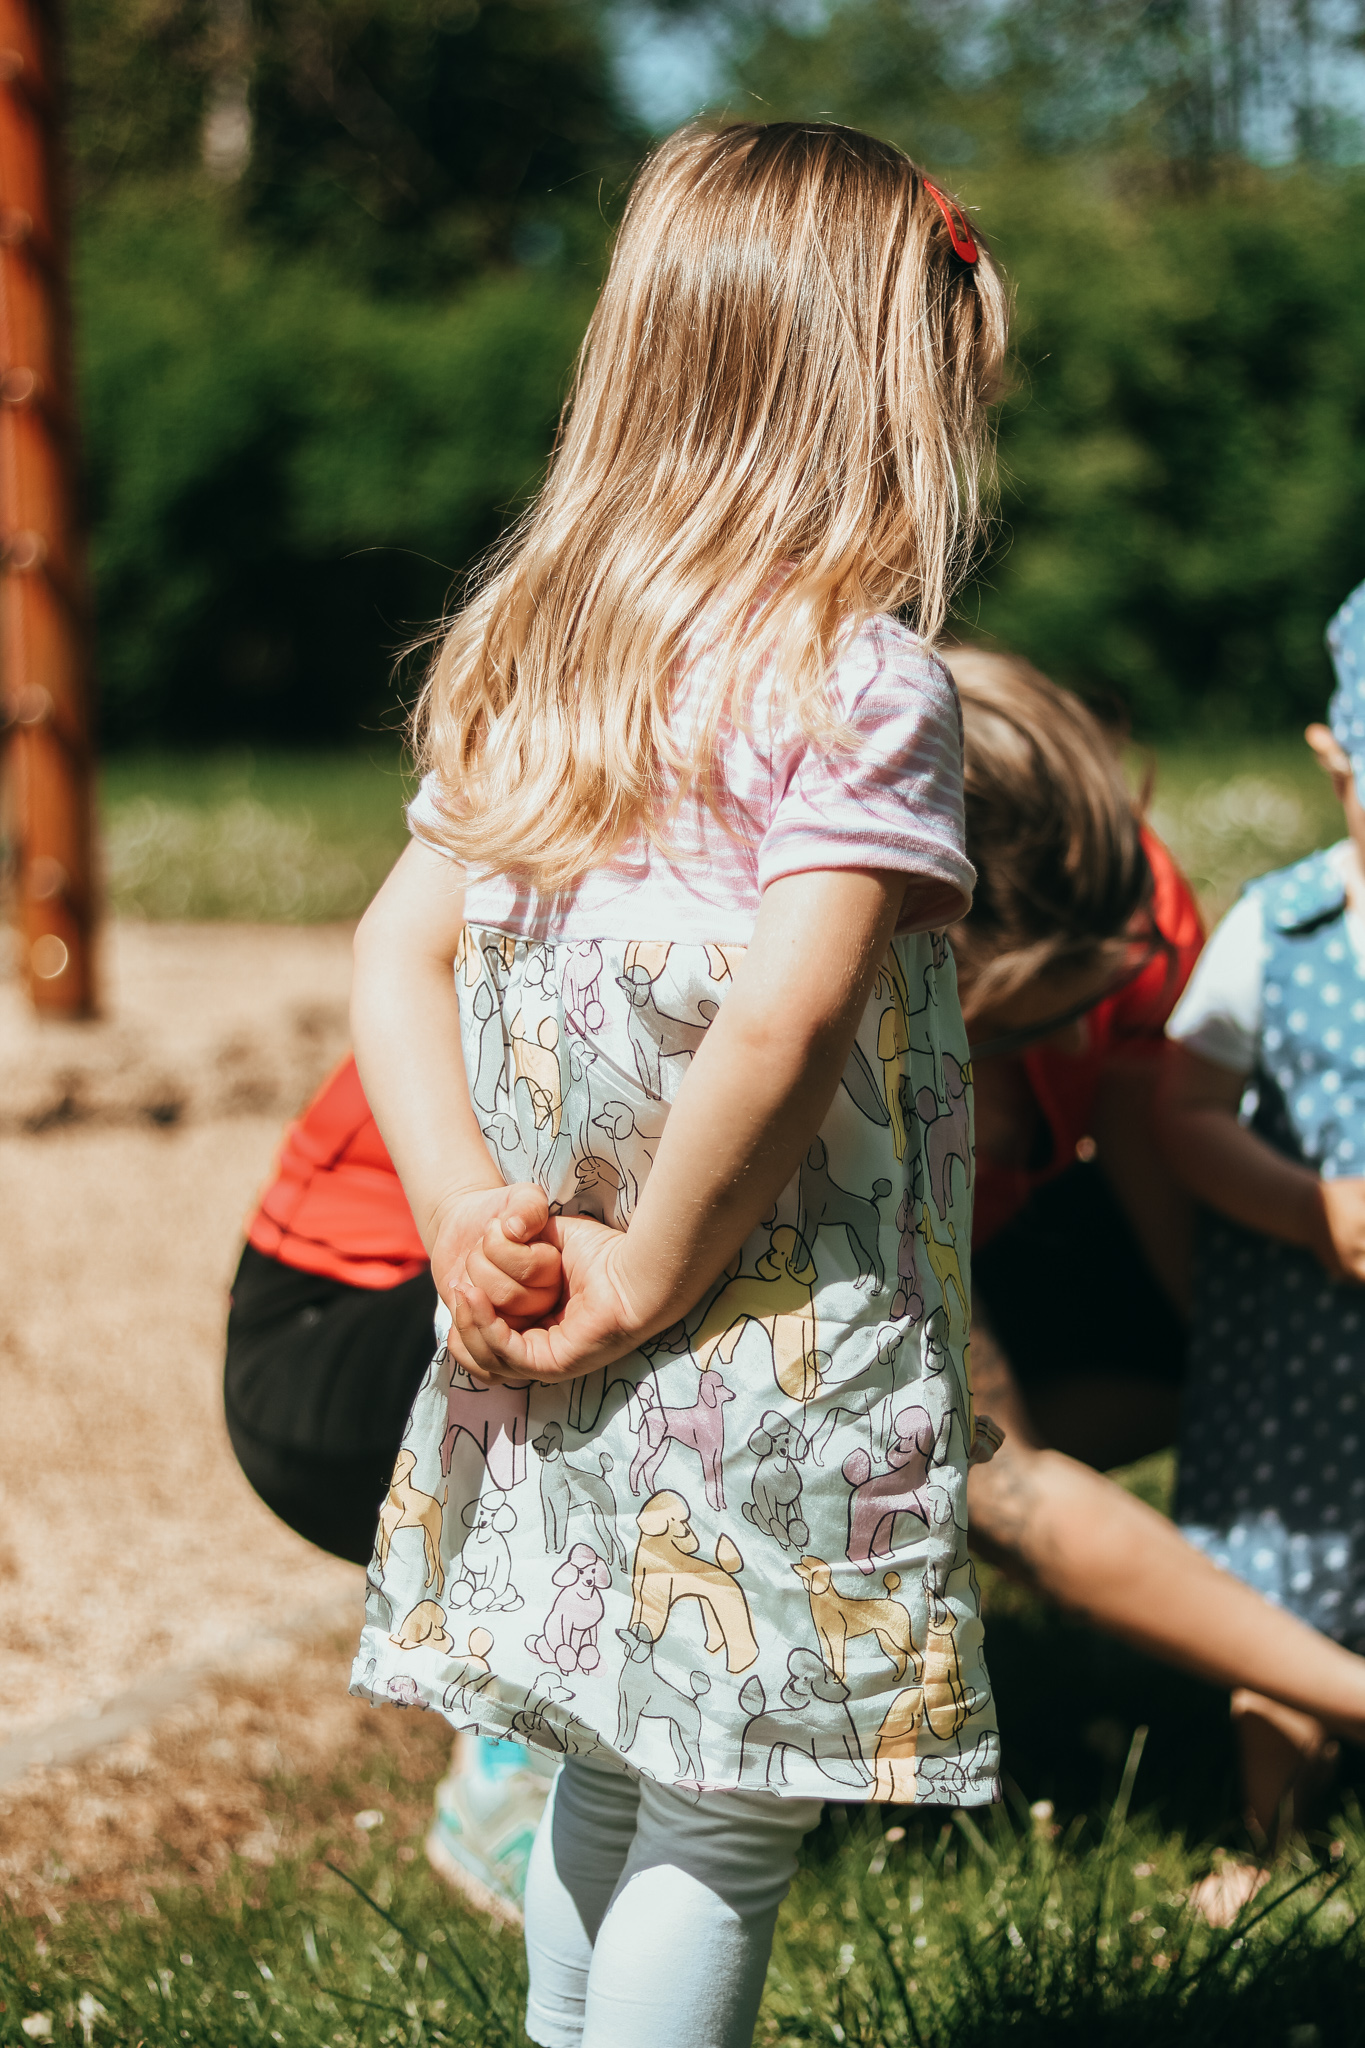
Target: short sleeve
425	815
895	802
1219	1015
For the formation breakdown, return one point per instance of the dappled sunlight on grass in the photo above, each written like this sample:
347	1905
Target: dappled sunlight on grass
239	860
904	1930
298	1960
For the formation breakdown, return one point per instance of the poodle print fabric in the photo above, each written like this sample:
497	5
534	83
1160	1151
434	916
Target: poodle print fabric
738	1556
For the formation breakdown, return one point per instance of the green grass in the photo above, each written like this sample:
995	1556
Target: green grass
1059	1919
981	1930
1231	810
297	1960
903	1930
299	838
290	1952
264	837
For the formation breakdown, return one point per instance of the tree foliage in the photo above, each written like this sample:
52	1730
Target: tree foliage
1183	471
314	391
421	140
287	476
1183	459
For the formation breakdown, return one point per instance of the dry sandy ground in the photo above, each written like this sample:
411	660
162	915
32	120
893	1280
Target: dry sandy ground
272	1758
130	1151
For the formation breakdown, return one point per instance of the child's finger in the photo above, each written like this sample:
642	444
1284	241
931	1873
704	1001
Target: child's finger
503	1352
458	1350
473	1313
533	1297
494	1346
525	1213
522	1279
529	1265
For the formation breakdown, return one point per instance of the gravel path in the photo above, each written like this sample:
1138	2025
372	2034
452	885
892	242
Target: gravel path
130	1151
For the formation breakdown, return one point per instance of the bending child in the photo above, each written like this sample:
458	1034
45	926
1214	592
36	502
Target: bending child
1264	1118
654	1016
1078	905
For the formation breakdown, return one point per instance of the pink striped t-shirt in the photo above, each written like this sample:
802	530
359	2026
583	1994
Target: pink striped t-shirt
894	803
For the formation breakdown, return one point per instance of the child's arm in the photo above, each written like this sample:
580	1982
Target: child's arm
1237	1173
1157	1206
405	1022
754	1096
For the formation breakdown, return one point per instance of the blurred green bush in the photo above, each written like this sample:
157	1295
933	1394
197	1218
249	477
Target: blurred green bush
333	261
1183	462
1182	459
286	472
313	397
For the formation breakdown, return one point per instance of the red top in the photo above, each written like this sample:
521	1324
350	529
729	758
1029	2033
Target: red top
1130	1024
335	1205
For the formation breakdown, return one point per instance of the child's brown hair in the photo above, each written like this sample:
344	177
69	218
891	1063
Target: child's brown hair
1052	829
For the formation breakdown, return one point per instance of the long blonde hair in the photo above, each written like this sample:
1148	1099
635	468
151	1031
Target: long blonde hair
777	429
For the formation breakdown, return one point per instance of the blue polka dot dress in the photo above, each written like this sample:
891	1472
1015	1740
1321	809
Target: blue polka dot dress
1272	1452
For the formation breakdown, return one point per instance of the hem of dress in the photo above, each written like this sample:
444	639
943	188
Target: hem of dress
464	1717
1205	1536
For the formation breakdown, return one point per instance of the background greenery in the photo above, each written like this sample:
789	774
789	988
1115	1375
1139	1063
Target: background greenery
319	374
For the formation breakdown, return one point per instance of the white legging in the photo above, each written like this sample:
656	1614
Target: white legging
650	1912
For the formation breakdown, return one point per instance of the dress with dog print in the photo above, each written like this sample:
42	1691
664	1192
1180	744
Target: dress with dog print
738	1556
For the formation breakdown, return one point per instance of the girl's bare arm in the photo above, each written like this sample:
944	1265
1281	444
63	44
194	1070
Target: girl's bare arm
405	1023
754	1096
761	1082
1237	1173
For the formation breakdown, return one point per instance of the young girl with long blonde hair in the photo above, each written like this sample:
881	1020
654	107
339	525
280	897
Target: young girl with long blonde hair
656	1017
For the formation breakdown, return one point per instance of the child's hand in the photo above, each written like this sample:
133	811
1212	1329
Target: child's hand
1339	1240
493	1238
595	1323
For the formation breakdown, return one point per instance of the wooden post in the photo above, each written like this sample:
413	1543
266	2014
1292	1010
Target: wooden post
46	667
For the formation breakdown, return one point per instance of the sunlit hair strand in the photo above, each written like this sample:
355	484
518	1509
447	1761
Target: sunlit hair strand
777	429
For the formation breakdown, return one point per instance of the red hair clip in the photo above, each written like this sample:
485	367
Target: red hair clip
959	234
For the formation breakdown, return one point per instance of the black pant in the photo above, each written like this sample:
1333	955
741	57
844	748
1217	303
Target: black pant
1068	1293
319	1381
